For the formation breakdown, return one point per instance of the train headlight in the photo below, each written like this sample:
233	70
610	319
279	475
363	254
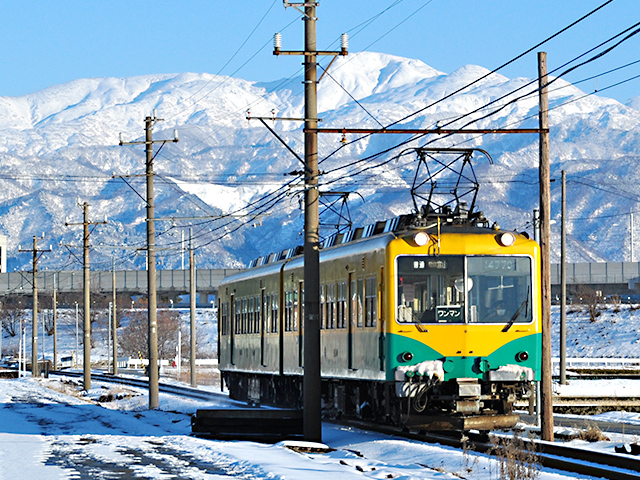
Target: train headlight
522	356
406	356
506	239
421	239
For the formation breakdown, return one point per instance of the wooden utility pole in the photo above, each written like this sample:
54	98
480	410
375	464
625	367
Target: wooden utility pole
34	325
152	300
545	236
86	276
192	313
563	284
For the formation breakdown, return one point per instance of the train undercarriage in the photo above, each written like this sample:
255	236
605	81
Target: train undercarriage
461	404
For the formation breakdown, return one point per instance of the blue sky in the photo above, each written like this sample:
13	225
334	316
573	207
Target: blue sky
49	42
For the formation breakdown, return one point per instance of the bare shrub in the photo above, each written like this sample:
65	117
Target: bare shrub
591	300
592	433
516	458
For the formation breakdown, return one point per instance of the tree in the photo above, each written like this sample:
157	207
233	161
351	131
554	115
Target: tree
12	313
134	338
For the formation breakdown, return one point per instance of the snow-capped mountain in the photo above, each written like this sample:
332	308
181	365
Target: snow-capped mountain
61	145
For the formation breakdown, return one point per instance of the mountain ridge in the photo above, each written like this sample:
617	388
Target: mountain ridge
61	144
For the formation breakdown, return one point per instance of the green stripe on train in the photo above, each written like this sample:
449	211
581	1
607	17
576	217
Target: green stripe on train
464	366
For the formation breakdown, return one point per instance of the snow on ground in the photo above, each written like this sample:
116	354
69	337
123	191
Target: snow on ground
50	430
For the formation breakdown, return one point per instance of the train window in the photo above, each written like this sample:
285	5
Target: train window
501	289
455	289
266	313
371	295
244	315
250	316
331	306
360	303
295	311
288	311
224	319
238	312
274	313
323	306
257	315
342	305
428	289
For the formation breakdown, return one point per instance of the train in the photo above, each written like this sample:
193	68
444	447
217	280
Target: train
429	320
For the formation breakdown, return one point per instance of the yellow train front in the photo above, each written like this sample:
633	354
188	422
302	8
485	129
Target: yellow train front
431	323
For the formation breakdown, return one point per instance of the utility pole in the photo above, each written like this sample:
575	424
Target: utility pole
34	325
312	391
54	301
563	284
152	300
86	345
546	429
114	332
192	312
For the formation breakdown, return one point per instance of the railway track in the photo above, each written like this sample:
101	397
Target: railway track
549	455
180	390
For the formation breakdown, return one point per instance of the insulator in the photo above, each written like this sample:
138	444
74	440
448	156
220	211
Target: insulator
277	41
345	40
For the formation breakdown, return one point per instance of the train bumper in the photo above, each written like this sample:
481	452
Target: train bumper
511	373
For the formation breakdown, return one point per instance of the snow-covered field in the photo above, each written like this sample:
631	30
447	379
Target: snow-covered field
49	429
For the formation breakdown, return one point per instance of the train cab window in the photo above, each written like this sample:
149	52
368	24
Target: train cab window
458	289
430	289
501	289
360	303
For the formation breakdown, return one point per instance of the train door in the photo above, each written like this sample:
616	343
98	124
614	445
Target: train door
262	315
351	322
299	312
232	330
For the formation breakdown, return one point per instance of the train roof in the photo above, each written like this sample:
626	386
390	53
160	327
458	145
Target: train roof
463	220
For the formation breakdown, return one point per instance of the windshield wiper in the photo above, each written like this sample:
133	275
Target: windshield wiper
517	314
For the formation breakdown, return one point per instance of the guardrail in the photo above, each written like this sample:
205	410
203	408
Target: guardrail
600	362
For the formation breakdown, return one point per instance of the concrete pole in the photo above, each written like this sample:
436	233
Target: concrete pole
563	285
192	313
312	408
34	324
154	401
114	327
86	345
546	429
55	323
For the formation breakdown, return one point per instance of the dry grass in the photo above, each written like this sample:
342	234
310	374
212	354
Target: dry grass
592	433
516	459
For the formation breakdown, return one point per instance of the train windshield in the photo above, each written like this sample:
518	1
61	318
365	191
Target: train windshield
459	289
